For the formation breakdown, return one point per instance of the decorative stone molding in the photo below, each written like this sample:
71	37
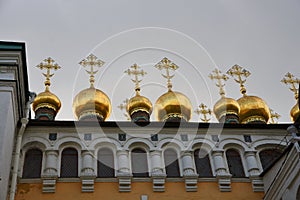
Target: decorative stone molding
223	177
50	174
88	174
157	173
257	182
189	173
124	182
124	175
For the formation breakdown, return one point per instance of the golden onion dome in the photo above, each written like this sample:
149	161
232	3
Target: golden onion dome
295	113
139	103
46	99
91	101
173	104
225	106
253	108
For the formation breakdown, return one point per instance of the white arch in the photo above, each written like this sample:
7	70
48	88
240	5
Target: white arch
133	140
36	139
267	143
39	144
69	140
206	143
234	142
170	140
104	140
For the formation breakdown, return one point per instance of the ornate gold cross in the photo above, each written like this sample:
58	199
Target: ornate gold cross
167	64
217	75
202	110
136	73
274	115
123	106
48	64
91	61
291	80
238	71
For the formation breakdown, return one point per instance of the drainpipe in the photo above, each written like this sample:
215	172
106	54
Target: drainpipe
24	122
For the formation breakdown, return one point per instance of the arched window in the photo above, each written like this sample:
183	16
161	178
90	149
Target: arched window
171	163
235	163
69	163
139	163
202	163
105	164
268	156
33	164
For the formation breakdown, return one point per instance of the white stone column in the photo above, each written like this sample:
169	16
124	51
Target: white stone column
187	163
88	174
124	175
50	172
189	172
252	163
87	163
224	178
51	163
123	161
157	172
156	162
257	182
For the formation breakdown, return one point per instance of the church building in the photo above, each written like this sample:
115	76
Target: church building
245	155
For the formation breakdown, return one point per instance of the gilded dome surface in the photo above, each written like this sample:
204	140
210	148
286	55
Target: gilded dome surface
172	103
46	99
253	108
91	101
139	103
295	112
225	106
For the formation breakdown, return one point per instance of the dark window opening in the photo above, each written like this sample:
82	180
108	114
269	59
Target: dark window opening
139	163
202	163
171	163
268	156
33	164
69	163
235	164
105	164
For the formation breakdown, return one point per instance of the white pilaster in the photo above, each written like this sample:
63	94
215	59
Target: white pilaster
87	172
224	178
50	172
124	175
189	172
157	172
257	182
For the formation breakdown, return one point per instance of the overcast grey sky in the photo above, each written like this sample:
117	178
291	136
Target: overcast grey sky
262	36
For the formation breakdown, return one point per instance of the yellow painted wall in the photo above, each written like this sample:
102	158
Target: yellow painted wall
109	191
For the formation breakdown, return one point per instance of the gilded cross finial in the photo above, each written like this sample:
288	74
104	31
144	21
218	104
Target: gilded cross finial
291	80
123	106
274	115
217	75
167	64
202	110
136	73
91	61
238	71
48	64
